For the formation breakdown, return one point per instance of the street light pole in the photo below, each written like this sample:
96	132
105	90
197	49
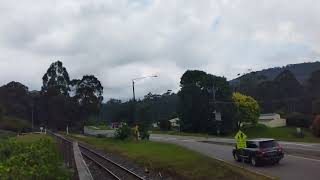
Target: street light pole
136	79
133	90
134	95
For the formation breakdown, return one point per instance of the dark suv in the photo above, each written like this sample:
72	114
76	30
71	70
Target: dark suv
259	151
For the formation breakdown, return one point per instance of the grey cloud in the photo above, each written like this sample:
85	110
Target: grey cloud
118	40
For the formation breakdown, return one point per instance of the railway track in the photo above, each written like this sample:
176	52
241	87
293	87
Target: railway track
115	170
112	169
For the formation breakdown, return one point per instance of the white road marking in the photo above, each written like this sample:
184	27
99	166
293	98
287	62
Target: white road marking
164	138
317	160
289	143
301	149
187	140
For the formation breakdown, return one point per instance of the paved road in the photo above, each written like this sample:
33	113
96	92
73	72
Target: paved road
308	147
290	168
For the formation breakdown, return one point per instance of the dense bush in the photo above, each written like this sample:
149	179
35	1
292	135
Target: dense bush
123	132
316	126
165	125
36	160
299	120
94	121
144	132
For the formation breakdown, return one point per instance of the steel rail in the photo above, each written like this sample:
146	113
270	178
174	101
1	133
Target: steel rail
100	156
112	162
102	166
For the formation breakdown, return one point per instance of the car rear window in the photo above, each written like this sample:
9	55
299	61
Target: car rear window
251	144
268	144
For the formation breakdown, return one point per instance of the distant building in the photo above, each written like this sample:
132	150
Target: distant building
272	120
155	125
175	123
115	125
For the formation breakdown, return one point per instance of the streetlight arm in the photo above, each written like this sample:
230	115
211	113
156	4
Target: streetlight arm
143	77
133	91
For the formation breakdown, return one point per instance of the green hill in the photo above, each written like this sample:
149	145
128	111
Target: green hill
302	72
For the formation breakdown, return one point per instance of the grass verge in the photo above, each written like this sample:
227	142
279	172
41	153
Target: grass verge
174	160
14	124
6	134
178	133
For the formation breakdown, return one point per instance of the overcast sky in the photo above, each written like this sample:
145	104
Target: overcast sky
117	40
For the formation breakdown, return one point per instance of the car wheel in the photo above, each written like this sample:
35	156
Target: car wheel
253	161
236	157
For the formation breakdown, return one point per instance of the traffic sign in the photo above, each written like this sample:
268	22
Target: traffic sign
241	139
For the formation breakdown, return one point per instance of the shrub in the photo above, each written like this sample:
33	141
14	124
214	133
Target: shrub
299	120
36	160
123	132
144	133
316	126
165	125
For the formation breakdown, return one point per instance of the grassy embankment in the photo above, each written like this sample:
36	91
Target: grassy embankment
31	157
171	159
260	131
6	134
281	133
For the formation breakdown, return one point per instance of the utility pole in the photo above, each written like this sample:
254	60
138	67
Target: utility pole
215	116
213	93
32	116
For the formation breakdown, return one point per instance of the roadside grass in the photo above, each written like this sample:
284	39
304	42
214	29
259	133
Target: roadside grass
175	160
31	156
14	124
31	138
182	133
6	134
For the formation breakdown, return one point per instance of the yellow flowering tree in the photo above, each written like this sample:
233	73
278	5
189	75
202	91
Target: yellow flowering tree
248	109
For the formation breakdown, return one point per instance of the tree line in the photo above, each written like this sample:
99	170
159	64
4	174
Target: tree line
69	102
152	108
61	101
200	95
284	94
